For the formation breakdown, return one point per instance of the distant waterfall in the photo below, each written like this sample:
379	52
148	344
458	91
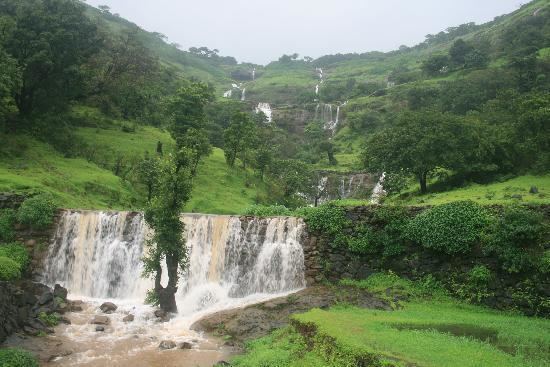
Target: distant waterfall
97	254
243	95
266	109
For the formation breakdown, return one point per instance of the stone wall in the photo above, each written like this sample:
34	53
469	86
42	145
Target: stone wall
10	200
326	262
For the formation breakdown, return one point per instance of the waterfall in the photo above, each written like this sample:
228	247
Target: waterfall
317	89
254	74
266	109
98	255
378	192
243	95
228	94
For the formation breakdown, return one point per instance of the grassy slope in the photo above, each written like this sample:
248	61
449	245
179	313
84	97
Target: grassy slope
429	331
80	184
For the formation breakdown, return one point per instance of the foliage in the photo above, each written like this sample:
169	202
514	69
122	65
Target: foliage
163	216
186	107
476	285
421	142
328	219
50	320
152	298
516	238
294	180
37	211
16	252
267	211
146	174
450	228
11	357
239	138
197	141
9	269
7	221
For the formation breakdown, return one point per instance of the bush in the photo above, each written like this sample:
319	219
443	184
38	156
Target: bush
7	221
50	320
268	210
516	237
450	228
37	211
9	270
476	287
17	358
328	219
16	252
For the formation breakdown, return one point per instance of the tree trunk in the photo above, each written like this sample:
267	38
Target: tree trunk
167	296
423	182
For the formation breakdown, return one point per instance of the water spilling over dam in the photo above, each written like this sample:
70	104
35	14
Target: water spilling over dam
98	254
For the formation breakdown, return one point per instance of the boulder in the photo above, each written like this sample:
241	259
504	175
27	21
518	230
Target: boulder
60	292
534	190
108	307
128	318
185	345
167	344
100	320
99	328
45	297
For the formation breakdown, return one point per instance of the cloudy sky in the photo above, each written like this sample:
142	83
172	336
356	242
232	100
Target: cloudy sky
262	30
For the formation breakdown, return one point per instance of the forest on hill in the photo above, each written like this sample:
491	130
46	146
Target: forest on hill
84	90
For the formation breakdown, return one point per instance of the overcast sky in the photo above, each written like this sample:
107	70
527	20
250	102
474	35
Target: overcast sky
262	30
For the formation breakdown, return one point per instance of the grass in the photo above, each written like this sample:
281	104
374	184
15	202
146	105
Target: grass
27	165
495	193
429	330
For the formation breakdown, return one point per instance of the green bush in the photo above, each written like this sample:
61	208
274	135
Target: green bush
50	320
17	358
516	237
9	269
450	228
37	211
328	219
7	221
17	252
268	210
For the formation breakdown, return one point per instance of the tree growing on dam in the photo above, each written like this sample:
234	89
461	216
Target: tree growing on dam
167	242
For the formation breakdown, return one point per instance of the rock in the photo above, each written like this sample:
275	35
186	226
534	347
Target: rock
108	307
534	190
128	318
60	292
45	297
517	197
185	345
75	306
100	320
64	320
160	313
167	344
99	328
30	243
223	363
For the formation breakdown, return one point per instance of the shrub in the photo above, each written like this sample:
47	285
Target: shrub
37	211
513	235
9	270
476	287
12	357
7	221
450	228
16	252
328	219
268	210
50	320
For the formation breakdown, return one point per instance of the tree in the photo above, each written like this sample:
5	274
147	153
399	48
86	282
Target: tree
421	142
458	52
10	82
50	40
264	159
198	144
294	179
146	172
186	107
163	216
435	64
328	148
239	137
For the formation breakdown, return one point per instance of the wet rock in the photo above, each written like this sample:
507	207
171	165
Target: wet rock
167	344
60	292
185	345
160	313
100	320
108	307
45	297
75	306
64	320
30	243
128	318
99	328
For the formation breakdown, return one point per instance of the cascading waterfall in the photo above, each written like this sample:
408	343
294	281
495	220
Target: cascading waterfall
378	192
243	95
266	109
97	254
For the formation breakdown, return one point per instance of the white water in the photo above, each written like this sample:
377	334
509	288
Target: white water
232	262
266	109
378	192
228	94
254	74
243	95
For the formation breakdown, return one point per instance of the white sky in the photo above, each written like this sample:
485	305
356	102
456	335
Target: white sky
262	30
